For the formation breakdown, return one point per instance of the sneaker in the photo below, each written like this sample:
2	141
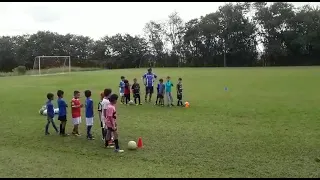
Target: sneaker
90	138
102	139
64	135
118	150
109	147
137	104
77	134
140	104
47	133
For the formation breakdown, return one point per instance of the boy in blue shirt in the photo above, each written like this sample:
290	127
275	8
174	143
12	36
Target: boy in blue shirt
62	105
89	114
121	89
50	114
168	91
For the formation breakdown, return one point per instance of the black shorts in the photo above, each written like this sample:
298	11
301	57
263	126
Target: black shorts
159	96
137	95
62	118
149	90
179	96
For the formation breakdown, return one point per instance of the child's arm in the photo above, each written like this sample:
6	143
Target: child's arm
66	105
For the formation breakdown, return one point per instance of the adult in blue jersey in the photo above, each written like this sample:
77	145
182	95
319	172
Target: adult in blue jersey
148	80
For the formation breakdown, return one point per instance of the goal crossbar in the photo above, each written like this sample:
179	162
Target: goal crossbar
40	57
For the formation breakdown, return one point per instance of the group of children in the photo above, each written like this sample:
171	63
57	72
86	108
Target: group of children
107	116
163	89
106	108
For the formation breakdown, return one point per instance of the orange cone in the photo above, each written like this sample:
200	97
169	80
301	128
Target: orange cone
140	144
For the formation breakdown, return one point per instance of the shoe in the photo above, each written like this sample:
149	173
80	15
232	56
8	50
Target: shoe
47	133
109	147
90	138
102	139
140	104
77	134
118	150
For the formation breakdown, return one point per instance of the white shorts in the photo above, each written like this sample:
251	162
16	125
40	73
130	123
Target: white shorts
76	121
121	94
89	121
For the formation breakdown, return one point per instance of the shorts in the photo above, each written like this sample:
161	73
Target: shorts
160	96
121	93
149	90
62	118
89	121
179	96
76	120
136	95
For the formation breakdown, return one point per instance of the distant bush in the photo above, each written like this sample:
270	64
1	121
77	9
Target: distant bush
20	70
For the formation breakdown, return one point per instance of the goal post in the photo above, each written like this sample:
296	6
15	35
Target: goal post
51	65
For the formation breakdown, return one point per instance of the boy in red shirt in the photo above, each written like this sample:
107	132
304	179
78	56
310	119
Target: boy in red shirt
111	123
76	112
127	91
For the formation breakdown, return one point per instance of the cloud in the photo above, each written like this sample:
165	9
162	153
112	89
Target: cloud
43	14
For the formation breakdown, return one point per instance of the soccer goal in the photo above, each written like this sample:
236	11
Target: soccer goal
45	65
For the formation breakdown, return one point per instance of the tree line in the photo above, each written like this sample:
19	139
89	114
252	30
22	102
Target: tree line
227	37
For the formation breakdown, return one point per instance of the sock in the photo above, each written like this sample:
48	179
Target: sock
116	143
135	100
139	99
88	132
61	128
157	101
106	142
90	127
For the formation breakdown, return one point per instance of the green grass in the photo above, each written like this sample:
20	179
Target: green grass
266	125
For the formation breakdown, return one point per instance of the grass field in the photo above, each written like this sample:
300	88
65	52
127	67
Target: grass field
266	125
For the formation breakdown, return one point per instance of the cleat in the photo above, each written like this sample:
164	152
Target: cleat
118	150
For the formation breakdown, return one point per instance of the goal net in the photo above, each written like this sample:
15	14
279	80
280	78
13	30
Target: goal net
44	65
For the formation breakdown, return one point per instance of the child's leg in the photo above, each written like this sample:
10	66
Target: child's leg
108	136
47	126
135	98
116	141
139	98
171	99
60	129
63	127
54	125
168	98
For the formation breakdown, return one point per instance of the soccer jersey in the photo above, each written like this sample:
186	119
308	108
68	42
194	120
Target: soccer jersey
50	109
89	108
121	85
179	88
111	116
100	106
127	89
75	111
161	88
62	105
149	79
168	86
104	104
136	88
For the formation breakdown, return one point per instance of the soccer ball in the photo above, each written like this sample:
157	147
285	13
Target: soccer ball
42	109
132	145
131	102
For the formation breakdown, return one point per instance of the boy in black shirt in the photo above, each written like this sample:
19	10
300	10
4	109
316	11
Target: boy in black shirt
136	91
179	92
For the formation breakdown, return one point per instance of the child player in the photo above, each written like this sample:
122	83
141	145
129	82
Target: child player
136	91
50	114
121	89
160	95
126	91
111	123
76	112
100	115
62	105
89	114
179	92
104	105
168	91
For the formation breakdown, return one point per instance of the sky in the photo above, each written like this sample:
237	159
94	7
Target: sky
96	19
